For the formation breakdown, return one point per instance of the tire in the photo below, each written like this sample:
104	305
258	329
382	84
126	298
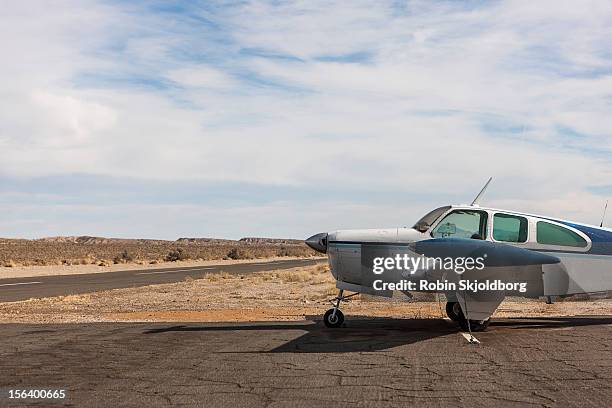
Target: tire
453	311
335	321
475	325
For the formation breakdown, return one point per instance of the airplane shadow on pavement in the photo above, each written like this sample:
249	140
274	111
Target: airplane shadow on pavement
366	334
362	333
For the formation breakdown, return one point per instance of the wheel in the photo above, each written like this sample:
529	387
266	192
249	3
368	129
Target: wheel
453	311
475	325
332	320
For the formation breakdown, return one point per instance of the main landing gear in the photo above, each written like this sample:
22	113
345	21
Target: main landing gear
454	312
334	317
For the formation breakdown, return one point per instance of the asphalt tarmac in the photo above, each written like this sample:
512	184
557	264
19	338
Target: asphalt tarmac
44	286
369	363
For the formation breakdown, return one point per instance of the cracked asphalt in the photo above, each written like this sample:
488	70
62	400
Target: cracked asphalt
370	362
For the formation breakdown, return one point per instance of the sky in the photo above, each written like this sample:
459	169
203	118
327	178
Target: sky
283	119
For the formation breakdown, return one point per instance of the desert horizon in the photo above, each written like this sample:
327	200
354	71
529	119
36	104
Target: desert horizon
103	251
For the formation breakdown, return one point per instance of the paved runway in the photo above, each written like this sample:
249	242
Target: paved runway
370	363
45	286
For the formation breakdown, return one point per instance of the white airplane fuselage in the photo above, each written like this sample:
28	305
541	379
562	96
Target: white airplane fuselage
583	269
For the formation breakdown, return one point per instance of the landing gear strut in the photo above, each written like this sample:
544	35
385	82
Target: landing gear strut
474	325
454	312
334	317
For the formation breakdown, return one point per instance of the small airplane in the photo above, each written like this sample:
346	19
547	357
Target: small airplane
545	257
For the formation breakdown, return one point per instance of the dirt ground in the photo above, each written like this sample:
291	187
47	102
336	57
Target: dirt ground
281	295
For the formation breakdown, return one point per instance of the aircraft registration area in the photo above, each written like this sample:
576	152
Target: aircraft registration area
474	256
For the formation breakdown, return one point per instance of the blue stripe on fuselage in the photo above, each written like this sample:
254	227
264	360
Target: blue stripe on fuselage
601	239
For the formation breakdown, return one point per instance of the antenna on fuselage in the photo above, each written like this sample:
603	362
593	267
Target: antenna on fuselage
476	201
603	217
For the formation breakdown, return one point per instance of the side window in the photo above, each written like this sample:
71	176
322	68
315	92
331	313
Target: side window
509	228
462	224
551	234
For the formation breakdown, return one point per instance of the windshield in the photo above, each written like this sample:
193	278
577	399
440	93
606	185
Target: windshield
424	223
462	224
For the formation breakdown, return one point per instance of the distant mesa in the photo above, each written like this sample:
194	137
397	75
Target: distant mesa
77	240
278	241
91	240
203	241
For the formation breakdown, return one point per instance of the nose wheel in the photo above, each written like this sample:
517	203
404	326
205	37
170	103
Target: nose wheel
334	317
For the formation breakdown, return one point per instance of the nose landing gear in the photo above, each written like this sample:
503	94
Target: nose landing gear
334	317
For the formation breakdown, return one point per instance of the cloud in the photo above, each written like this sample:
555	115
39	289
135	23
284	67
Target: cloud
420	98
201	76
73	118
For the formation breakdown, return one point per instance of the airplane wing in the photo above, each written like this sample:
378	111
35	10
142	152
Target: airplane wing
502	262
496	254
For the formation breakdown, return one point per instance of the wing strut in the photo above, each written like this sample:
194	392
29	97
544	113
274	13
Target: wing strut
604	215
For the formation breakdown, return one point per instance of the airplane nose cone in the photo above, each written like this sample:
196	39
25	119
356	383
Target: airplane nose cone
318	242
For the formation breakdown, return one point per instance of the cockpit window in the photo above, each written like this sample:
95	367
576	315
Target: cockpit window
462	224
424	223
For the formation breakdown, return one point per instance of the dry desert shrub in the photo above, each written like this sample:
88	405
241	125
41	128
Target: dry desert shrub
88	260
237	253
216	277
322	268
177	254
123	257
9	264
294	276
75	298
34	262
331	291
313	275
